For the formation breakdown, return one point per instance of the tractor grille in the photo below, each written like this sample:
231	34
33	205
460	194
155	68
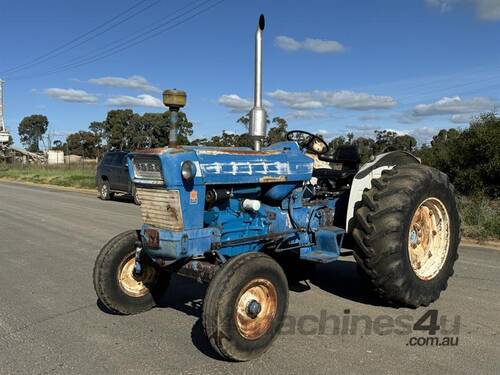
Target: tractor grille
161	208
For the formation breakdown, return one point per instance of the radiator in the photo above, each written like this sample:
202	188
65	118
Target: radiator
161	208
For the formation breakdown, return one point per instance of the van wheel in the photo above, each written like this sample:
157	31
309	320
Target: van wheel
137	201
105	191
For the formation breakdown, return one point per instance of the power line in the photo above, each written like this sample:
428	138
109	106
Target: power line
113	45
70	44
126	44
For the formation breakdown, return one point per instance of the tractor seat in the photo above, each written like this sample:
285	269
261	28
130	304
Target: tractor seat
346	162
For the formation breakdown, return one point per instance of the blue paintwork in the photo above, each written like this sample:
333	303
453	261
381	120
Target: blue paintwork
274	176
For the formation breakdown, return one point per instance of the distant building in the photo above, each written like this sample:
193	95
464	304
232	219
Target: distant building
55	157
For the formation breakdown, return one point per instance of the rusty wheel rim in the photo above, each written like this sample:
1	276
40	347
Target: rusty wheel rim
429	238
256	308
128	283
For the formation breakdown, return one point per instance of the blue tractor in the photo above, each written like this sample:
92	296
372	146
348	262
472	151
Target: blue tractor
247	220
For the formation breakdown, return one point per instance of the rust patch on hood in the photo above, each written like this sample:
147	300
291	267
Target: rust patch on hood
267	179
222	151
158	150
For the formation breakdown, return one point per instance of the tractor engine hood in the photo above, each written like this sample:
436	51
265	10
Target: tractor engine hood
281	162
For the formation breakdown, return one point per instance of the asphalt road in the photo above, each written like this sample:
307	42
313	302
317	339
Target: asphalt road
50	321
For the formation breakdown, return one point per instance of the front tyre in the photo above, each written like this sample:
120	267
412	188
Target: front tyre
407	230
245	305
115	284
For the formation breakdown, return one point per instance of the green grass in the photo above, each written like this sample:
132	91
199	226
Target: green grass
480	217
77	176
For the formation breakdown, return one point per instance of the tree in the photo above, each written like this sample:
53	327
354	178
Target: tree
97	128
277	133
57	145
125	130
31	130
471	157
365	148
335	142
83	143
388	140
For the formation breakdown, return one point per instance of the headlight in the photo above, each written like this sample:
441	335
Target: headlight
147	169
188	170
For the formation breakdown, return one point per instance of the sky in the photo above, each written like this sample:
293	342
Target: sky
330	67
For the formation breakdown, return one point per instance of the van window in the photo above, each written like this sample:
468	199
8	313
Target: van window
107	158
119	158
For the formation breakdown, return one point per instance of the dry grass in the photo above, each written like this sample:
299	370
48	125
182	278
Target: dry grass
76	175
480	217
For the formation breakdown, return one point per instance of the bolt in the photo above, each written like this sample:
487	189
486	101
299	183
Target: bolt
253	309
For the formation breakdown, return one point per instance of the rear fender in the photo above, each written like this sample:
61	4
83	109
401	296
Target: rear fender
373	169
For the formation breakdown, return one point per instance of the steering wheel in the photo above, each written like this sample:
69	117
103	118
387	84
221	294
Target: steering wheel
311	142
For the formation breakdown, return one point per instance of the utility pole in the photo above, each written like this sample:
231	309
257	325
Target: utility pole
4	134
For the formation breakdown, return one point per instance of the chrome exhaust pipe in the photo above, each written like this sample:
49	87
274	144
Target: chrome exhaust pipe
258	116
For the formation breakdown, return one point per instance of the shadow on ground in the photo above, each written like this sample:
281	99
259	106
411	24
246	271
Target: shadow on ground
339	278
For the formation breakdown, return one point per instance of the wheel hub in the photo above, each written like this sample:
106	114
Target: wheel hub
253	309
428	238
132	284
104	190
256	308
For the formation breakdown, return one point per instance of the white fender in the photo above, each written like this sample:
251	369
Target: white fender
373	169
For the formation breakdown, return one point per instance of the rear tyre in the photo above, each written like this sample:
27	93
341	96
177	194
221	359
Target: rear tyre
105	191
245	305
116	286
407	231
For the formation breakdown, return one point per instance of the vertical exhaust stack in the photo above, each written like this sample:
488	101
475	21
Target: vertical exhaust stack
258	116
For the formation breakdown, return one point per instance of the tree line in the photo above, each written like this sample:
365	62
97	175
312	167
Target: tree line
470	156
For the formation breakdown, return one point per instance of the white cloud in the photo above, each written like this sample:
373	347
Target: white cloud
487	10
407	118
296	100
309	44
329	134
462	118
364	127
461	110
370	117
71	95
237	104
305	115
356	100
133	82
135	101
443	5
423	134
338	99
454	105
286	43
